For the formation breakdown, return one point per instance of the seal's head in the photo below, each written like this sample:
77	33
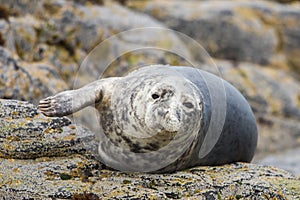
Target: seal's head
156	108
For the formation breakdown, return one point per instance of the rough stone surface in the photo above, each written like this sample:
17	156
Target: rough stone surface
64	32
71	177
26	133
254	31
27	81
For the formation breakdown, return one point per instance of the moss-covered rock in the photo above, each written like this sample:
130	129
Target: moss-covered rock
76	176
27	80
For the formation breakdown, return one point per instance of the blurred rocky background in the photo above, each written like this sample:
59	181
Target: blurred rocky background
255	44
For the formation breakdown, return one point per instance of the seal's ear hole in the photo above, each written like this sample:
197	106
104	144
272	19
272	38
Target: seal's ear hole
155	96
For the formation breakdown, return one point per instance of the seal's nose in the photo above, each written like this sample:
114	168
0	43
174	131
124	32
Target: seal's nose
172	123
172	119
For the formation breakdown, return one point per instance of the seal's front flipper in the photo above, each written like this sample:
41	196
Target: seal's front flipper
70	101
60	105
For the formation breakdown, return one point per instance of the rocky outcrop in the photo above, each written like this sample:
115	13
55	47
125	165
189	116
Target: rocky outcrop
64	32
26	133
52	158
257	31
42	52
27	81
79	178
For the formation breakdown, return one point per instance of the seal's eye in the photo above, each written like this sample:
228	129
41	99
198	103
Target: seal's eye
188	105
155	96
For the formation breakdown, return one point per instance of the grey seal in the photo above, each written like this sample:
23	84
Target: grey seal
164	118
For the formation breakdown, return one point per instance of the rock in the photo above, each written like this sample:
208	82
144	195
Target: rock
27	81
44	42
26	133
284	1
76	177
64	32
258	31
220	27
269	91
288	160
43	178
290	32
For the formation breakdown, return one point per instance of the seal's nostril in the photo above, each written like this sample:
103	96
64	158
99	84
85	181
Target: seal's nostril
155	96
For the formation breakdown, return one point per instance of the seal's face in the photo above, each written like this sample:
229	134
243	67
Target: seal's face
154	110
163	107
169	104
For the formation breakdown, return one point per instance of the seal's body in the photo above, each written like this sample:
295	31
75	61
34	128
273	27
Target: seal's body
162	119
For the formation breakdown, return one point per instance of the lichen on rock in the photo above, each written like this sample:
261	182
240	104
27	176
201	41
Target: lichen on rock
27	134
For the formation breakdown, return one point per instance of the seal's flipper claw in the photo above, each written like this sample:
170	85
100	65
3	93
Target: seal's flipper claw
48	107
58	105
45	103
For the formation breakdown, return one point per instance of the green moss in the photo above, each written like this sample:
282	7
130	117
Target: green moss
239	182
219	196
294	64
64	176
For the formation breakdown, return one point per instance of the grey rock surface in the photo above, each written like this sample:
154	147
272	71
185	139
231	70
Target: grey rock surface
254	31
273	96
64	32
26	133
27	81
76	177
288	160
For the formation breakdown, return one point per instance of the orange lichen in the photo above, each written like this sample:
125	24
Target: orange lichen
4	13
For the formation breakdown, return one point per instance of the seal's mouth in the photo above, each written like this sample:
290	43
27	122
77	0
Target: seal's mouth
171	122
